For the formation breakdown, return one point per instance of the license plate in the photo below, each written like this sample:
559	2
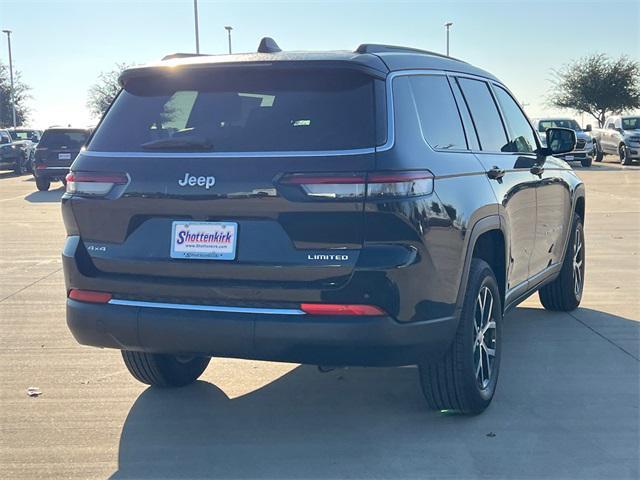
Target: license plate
64	156
204	240
568	157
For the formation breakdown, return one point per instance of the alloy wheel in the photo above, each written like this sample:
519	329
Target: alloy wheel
578	263
484	345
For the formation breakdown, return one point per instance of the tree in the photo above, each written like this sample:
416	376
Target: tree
102	93
21	96
597	85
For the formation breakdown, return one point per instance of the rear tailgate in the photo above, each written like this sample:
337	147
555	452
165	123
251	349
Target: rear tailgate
59	147
282	233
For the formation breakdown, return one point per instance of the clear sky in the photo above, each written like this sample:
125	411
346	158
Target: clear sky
61	46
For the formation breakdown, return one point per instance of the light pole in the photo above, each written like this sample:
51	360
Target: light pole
228	29
195	17
13	103
448	26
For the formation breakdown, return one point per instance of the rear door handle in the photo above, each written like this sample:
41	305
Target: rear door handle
496	173
537	169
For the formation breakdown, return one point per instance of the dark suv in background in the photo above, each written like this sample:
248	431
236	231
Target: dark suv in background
385	206
13	154
55	152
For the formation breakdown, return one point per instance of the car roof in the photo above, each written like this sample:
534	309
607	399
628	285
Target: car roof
67	129
551	119
378	59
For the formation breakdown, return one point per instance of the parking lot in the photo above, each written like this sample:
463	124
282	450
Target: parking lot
567	404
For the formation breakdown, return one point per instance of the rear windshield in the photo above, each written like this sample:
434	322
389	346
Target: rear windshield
72	139
245	110
544	124
22	134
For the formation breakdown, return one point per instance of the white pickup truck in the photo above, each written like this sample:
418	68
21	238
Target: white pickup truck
620	136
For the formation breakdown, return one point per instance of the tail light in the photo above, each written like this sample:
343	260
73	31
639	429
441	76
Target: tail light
378	185
89	296
341	309
94	184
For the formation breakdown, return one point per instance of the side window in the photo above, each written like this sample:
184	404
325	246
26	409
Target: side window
437	111
485	114
463	108
521	136
611	126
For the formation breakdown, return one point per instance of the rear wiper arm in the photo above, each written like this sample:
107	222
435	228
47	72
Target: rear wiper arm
178	143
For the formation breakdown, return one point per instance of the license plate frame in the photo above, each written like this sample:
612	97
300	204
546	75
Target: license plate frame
187	245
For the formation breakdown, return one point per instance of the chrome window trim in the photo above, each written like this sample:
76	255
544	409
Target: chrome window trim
306	153
206	308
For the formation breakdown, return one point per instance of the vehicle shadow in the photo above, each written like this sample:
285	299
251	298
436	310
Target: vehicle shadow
50	196
547	417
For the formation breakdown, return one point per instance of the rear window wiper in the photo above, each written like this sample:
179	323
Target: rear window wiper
178	144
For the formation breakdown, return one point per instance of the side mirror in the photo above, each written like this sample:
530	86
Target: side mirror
588	128
560	140
620	130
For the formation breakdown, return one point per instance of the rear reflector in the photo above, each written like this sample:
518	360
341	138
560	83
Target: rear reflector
94	183
374	186
89	296
340	309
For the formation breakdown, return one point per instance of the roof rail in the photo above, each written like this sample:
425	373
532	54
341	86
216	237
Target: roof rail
268	45
183	55
381	48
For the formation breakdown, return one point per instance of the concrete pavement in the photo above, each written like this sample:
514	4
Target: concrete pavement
567	404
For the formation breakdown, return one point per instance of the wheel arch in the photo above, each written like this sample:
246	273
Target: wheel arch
488	242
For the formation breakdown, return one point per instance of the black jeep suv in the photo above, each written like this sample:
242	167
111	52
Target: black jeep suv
55	152
379	207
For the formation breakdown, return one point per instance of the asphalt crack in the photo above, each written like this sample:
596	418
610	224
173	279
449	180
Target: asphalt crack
604	337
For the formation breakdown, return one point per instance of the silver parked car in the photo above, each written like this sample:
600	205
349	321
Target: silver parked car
621	136
584	151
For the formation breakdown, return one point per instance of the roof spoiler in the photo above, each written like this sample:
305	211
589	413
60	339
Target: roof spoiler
268	45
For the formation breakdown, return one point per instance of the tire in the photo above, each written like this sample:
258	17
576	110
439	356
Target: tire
586	161
598	154
43	184
31	162
19	168
162	370
460	380
624	155
565	292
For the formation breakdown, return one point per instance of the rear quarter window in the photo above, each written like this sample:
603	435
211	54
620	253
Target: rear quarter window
439	118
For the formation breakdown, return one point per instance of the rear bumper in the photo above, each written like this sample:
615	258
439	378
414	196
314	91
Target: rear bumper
51	172
312	339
